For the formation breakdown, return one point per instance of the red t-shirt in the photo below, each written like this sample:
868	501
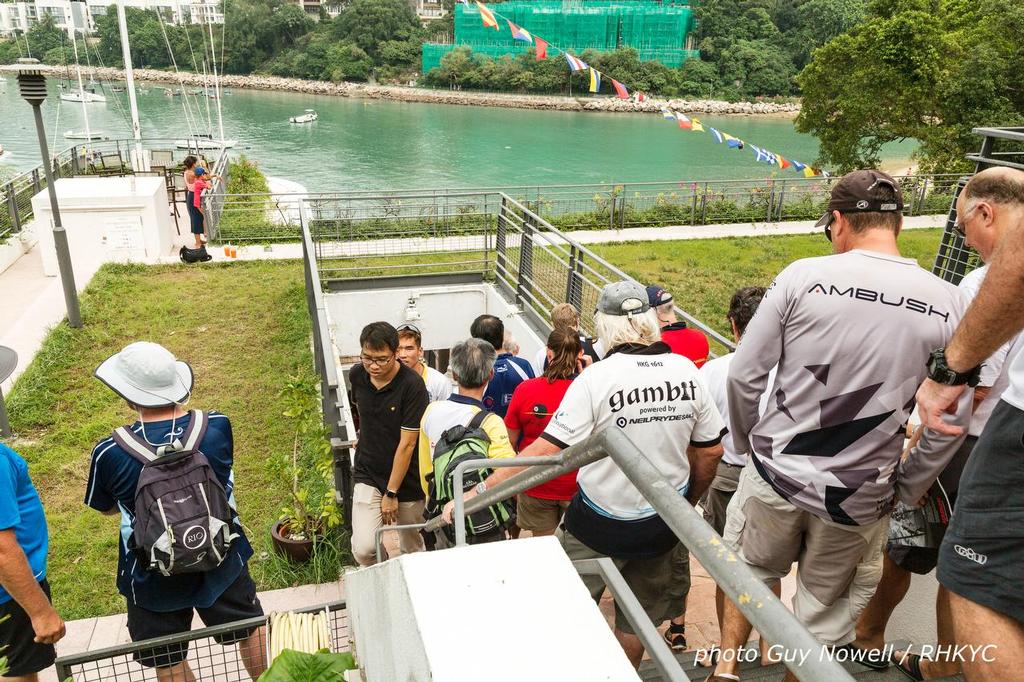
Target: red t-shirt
197	191
533	404
687	342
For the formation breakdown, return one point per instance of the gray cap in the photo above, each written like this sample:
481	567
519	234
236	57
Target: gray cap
623	298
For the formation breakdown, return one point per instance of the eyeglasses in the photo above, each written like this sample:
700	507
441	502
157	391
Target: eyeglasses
379	362
407	327
959	225
828	225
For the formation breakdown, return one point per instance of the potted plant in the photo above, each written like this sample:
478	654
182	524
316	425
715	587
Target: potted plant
313	509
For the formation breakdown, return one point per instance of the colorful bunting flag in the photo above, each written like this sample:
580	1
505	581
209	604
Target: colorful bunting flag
668	114
733	142
575	63
487	16
717	135
542	48
808	172
595	80
620	89
519	33
696	125
684	122
783	163
798	167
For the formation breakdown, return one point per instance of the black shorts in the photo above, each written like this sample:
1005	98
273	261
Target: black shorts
238	602
922	560
17	640
982	554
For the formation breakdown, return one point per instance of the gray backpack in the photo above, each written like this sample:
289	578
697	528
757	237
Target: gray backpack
183	521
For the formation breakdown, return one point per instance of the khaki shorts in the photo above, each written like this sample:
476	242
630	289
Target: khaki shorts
769	534
716	500
535	514
657	583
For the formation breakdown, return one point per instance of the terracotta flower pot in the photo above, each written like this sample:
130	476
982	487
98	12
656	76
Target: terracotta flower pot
297	550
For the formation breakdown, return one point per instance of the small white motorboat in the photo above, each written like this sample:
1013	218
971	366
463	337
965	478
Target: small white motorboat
82	96
307	117
82	135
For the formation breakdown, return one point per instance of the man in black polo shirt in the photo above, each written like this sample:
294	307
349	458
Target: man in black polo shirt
390	399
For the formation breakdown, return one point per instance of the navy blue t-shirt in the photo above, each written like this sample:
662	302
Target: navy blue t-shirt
509	372
113	477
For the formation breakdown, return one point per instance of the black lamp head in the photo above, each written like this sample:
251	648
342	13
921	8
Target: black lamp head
31	81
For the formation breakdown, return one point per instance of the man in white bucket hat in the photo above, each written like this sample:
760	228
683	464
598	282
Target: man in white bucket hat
157	386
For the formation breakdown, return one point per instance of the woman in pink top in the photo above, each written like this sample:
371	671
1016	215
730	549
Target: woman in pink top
202	182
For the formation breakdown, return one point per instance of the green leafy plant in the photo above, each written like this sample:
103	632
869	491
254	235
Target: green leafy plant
322	666
313	507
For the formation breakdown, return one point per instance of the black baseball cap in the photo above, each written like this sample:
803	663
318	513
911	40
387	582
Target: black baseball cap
858	192
657	296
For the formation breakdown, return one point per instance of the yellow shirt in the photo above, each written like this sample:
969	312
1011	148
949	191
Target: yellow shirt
457	411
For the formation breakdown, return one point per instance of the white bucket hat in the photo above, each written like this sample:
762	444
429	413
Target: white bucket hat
147	374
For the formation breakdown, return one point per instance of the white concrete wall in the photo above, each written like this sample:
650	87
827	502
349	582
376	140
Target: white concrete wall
120	219
442	313
506	611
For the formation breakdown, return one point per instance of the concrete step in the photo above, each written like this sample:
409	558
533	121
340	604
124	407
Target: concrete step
753	670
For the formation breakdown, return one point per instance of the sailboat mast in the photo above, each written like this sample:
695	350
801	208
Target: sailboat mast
81	89
129	75
216	83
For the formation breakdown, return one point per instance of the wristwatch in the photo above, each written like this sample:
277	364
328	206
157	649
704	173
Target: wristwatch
391	493
481	487
940	373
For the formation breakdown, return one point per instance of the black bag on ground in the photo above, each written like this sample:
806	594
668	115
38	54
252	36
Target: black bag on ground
183	520
199	255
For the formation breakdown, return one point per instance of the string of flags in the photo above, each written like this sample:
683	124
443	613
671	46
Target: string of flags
489	19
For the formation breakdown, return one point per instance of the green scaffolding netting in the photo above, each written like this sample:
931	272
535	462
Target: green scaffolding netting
657	30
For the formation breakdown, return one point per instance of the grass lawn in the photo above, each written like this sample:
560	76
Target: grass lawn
244	329
703	274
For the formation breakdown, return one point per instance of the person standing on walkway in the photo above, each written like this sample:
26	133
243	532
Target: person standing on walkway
410	352
565	316
539	510
509	370
390	399
684	341
202	182
982	552
988	206
189	164
847	333
660	402
29	626
162	597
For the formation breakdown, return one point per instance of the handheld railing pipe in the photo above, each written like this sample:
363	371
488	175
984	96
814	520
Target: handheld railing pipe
751	596
460	470
378	536
633	610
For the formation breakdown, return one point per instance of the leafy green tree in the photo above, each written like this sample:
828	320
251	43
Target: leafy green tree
927	70
371	23
347	61
43	36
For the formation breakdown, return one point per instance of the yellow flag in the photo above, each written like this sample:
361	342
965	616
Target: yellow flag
487	16
595	80
697	125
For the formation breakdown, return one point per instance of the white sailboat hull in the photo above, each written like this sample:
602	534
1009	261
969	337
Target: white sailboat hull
82	135
203	143
87	97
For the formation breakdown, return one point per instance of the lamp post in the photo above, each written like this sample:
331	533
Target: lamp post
32	86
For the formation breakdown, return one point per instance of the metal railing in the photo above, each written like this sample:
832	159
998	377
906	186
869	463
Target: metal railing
273	217
101	157
209	661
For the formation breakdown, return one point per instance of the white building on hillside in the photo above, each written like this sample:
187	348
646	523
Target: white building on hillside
80	15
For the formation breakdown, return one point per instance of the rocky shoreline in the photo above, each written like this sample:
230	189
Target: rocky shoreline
462	98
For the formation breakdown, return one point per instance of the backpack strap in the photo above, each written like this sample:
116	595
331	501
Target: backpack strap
477	422
137	446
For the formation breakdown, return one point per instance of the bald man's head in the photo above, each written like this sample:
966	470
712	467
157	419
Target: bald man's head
990	202
997	185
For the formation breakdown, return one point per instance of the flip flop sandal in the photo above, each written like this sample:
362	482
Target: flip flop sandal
869	658
719	678
675	637
910	666
706	660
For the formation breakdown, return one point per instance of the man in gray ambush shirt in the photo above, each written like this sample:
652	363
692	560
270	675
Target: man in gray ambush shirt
848	333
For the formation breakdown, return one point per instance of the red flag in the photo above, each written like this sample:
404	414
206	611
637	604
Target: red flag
542	48
620	89
640	97
783	163
684	122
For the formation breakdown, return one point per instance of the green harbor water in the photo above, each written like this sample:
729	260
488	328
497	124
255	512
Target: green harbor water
375	144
